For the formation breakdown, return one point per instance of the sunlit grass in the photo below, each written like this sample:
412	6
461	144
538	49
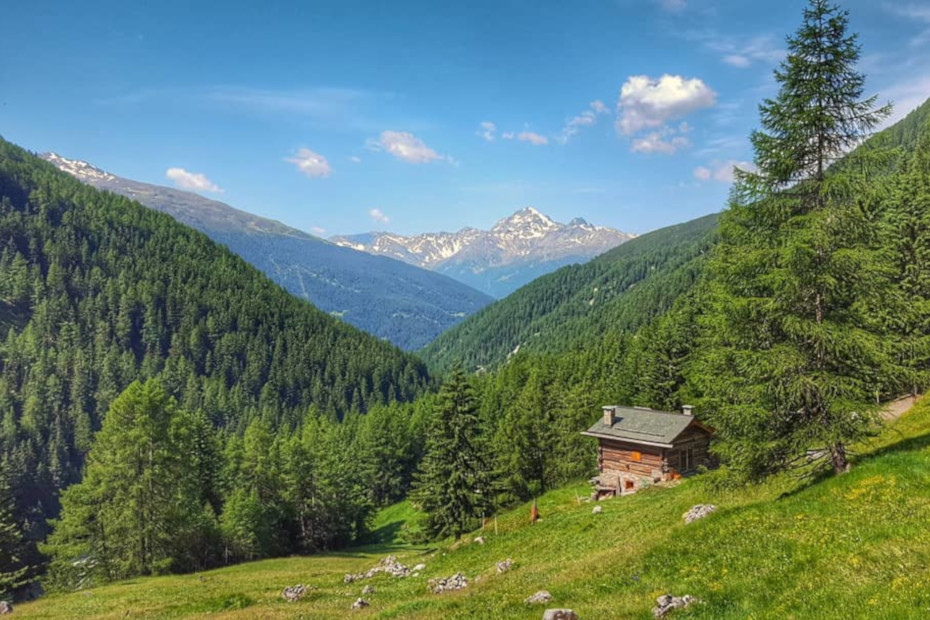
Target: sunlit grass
857	546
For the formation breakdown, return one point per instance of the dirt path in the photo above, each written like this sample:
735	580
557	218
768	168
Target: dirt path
896	408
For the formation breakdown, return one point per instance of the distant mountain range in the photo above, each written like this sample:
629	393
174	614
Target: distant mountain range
517	250
400	302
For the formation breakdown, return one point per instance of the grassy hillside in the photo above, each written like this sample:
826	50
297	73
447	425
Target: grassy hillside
854	546
620	290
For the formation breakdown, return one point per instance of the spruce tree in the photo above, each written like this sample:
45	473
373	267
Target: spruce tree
789	367
452	486
909	232
14	571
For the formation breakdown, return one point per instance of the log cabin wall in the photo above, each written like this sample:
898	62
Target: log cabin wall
695	440
629	457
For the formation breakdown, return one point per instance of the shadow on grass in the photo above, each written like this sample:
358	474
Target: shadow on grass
910	444
376	549
905	444
387	533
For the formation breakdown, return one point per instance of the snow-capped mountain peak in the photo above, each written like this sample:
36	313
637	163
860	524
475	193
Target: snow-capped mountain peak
80	169
517	249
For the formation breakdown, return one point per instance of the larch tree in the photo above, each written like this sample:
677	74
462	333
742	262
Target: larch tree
452	485
792	342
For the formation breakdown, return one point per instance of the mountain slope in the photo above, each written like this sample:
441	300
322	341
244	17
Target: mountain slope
851	546
401	303
517	250
580	304
102	291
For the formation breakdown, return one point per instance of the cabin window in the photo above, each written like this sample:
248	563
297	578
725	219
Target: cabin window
637	456
686	459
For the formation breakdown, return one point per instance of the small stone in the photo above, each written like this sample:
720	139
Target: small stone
698	512
419	567
293	594
506	565
597	510
6	608
667	603
360	604
480	540
540	597
559	614
455	582
368	590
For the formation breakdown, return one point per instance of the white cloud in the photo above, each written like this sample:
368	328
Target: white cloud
599	108
647	102
378	216
722	171
487	130
355	159
533	138
737	60
508	135
193	181
742	52
702	174
405	146
657	142
310	163
587	117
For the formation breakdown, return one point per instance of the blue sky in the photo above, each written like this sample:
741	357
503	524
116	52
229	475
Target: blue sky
345	116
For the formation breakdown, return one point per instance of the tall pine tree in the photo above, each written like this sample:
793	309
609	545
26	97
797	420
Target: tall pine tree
453	484
789	369
14	572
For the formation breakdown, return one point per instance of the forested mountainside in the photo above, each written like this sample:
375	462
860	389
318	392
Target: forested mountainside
101	291
515	251
581	305
399	302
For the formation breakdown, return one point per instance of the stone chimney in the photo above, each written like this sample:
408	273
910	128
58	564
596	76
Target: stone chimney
687	409
609	414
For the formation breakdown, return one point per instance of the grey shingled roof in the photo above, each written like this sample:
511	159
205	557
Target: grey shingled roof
643	425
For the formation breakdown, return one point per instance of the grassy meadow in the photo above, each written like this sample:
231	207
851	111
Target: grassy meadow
856	546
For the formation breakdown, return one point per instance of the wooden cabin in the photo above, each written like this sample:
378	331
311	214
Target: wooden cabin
639	447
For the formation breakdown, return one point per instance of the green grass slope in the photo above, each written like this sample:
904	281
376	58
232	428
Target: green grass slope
620	290
855	546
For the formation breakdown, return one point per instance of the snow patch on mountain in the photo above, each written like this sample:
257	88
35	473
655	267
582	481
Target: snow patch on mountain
516	249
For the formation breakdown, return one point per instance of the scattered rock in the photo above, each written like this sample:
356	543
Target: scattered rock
506	565
699	512
480	540
667	603
598	510
368	590
360	604
418	568
455	582
5	608
293	594
539	598
388	565
560	614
